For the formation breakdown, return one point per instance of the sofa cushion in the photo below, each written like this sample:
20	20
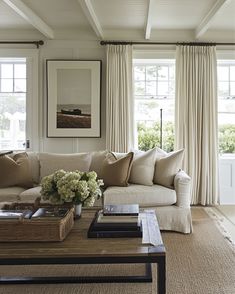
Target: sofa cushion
30	195
34	166
97	159
142	170
15	171
10	194
166	168
139	194
50	162
116	172
160	153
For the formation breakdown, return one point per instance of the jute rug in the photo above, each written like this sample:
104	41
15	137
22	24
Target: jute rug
199	263
228	211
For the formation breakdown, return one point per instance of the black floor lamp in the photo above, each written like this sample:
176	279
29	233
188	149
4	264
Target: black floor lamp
161	128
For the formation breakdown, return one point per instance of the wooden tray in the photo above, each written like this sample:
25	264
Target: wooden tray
28	230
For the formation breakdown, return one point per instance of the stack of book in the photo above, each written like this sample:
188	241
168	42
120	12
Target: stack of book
116	221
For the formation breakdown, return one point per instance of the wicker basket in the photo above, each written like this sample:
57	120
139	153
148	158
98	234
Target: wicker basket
29	230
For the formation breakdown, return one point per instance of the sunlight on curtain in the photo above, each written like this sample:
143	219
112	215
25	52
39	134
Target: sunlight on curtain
196	119
119	99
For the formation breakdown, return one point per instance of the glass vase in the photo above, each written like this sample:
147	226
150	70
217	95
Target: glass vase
78	210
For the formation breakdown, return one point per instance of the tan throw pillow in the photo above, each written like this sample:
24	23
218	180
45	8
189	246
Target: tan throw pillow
116	172
15	171
166	168
50	162
142	169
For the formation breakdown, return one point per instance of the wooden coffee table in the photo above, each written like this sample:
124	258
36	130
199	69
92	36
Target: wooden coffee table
78	249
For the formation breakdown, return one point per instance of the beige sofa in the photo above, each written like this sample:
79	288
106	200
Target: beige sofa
172	205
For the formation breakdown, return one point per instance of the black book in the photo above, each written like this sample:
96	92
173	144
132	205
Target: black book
116	227
110	232
127	209
113	234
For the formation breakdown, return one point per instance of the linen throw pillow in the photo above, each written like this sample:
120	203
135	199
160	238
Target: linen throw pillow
166	167
116	172
50	162
97	159
15	171
142	170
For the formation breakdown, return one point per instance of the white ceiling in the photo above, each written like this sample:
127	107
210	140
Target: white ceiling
10	19
150	17
59	13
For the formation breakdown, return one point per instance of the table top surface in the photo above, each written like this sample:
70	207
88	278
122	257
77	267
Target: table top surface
78	245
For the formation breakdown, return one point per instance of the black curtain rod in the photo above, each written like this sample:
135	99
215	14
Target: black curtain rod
36	43
164	43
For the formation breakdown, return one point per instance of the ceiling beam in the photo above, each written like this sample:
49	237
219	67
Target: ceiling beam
209	17
92	17
27	13
149	19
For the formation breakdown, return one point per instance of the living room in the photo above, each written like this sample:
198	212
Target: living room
149	85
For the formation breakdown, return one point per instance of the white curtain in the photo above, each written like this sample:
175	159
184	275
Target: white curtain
196	119
119	99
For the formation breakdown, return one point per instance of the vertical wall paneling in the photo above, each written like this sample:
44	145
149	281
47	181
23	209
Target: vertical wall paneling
227	180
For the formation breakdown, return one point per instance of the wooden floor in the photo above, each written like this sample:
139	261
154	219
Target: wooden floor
227	213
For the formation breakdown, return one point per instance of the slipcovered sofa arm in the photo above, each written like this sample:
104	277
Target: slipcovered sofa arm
182	184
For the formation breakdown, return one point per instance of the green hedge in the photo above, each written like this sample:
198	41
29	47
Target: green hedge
227	138
149	137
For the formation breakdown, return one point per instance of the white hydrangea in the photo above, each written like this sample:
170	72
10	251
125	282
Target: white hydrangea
58	175
92	175
76	187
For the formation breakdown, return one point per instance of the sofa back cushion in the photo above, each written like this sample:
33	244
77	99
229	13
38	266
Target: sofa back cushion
34	166
50	162
97	159
15	171
142	170
166	168
116	172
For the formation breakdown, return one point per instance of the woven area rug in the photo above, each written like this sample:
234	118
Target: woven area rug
199	263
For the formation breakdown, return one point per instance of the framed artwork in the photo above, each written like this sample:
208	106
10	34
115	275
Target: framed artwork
73	98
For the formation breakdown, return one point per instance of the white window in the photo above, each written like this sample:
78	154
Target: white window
12	103
19	99
226	105
154	90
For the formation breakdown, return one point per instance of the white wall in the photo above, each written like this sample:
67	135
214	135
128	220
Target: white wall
227	179
67	49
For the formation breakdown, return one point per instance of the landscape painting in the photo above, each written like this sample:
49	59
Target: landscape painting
73	98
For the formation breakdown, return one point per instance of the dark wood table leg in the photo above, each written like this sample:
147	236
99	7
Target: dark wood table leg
161	275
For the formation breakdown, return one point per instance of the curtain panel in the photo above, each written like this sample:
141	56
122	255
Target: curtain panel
119	99
196	119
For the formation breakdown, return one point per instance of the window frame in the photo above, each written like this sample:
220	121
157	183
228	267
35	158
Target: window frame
13	75
32	105
153	61
225	62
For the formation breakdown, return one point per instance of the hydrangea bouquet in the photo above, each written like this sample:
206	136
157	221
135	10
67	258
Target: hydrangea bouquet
76	187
